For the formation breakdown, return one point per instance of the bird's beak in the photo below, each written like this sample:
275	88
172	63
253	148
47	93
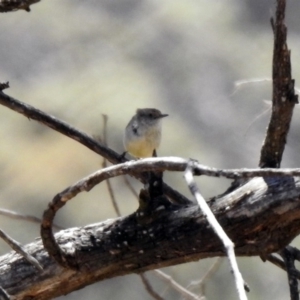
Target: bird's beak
163	115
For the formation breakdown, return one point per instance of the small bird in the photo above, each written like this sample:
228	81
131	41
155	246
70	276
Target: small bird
143	133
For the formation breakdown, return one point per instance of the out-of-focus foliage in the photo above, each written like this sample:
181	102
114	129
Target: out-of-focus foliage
80	59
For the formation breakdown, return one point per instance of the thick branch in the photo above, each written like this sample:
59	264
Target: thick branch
263	215
283	99
148	164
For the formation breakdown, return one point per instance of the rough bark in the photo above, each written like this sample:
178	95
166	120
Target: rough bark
262	215
283	98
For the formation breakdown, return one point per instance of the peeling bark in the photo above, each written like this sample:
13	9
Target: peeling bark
261	217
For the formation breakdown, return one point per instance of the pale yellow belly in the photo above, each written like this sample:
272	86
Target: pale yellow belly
140	148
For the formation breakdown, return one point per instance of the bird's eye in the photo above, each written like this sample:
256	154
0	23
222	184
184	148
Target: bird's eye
150	115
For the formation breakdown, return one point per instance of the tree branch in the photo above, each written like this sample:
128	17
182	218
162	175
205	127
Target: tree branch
149	288
289	260
228	244
29	218
19	249
148	164
14	5
260	217
283	99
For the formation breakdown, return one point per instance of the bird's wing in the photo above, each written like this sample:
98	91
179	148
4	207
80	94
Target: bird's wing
135	127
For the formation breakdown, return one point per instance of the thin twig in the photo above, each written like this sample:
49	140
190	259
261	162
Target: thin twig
19	249
201	282
257	117
276	261
104	165
4	295
29	218
149	288
111	193
280	264
179	288
240	83
228	244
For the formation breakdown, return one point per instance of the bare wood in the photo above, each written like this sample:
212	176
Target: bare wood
14	5
265	218
283	99
227	242
15	245
262	215
147	164
149	288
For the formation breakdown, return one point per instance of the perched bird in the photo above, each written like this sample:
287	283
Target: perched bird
143	133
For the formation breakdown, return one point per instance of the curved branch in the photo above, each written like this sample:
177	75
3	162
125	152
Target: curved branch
147	164
262	215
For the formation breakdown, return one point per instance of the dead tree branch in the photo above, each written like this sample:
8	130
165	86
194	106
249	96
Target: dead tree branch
261	217
149	288
283	99
14	5
28	218
148	164
228	244
288	255
19	249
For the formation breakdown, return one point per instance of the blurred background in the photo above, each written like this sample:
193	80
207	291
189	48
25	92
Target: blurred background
205	63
